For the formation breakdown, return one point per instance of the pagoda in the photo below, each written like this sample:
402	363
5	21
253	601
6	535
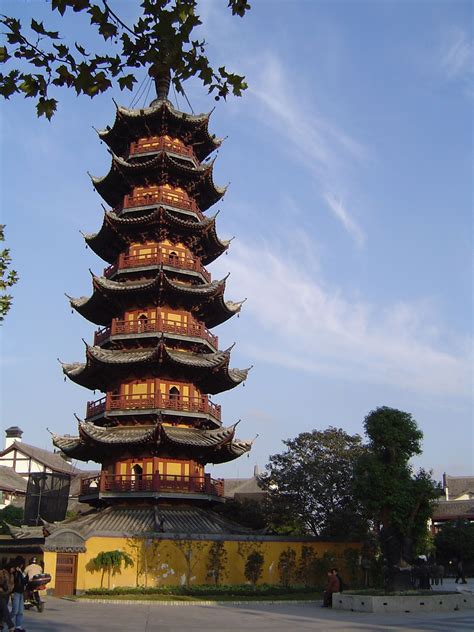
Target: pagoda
154	357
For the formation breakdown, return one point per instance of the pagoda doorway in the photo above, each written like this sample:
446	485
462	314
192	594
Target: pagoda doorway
137	475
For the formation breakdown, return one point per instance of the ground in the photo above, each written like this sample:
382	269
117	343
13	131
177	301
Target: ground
68	616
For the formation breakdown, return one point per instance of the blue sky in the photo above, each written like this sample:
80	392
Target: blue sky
350	163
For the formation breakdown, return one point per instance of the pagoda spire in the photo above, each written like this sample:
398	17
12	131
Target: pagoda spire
162	78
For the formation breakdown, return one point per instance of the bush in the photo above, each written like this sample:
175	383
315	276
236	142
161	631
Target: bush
240	590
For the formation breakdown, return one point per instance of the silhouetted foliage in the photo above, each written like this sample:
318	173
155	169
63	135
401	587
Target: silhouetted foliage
38	60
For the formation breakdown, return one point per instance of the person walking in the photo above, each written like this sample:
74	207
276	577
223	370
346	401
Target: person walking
460	573
6	586
18	602
334	586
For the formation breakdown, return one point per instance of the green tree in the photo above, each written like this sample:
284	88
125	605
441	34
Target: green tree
287	567
8	278
10	515
246	512
145	552
38	60
254	567
217	562
109	562
454	541
397	501
306	570
191	551
310	485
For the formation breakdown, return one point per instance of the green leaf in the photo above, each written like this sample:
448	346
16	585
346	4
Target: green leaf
46	107
126	82
4	56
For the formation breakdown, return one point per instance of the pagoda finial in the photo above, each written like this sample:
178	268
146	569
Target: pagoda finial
162	78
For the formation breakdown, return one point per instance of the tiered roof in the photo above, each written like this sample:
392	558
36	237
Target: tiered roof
163	119
160	169
205	301
206	446
209	371
118	232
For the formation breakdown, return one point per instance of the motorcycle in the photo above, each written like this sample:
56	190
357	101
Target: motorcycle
32	596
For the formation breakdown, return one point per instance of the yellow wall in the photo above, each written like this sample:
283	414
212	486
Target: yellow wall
170	564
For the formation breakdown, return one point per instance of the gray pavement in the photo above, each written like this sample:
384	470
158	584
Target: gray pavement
68	616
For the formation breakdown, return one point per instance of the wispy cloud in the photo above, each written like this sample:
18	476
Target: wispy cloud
318	143
303	323
457	54
343	216
456	58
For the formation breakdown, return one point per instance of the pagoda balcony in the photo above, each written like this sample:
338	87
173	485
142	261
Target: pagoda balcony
161	197
166	403
160	143
168	259
160	325
150	484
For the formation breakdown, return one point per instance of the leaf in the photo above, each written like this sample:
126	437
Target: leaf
46	107
4	56
61	49
81	49
126	82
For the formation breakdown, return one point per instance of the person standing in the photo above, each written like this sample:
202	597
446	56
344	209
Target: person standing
18	602
6	586
334	586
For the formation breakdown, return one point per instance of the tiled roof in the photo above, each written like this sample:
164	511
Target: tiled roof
246	486
51	460
129	521
110	297
458	485
161	117
449	509
214	446
10	481
198	180
209	371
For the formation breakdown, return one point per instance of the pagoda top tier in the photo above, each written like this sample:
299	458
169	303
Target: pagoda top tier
160	119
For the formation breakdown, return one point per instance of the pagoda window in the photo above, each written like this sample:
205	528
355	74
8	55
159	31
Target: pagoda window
173	258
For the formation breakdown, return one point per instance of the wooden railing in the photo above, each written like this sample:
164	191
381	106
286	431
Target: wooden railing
166	258
161	197
159	143
152	483
181	403
139	326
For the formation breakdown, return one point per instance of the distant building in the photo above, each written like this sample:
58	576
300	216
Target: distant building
18	460
244	488
457	503
12	487
24	459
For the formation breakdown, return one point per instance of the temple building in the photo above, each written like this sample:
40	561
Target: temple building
154	356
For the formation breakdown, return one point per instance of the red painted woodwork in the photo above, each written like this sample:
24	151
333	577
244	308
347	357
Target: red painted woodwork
184	403
152	483
166	325
161	196
166	258
160	143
